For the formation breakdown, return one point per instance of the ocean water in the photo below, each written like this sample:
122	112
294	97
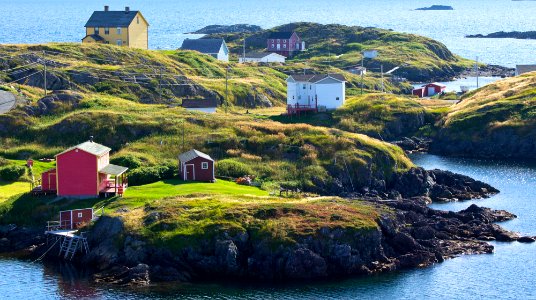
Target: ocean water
508	273
40	21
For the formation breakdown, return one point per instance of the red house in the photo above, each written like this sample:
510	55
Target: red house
196	166
85	171
285	43
429	90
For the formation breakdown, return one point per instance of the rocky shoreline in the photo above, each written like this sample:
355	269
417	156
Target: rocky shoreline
409	234
527	35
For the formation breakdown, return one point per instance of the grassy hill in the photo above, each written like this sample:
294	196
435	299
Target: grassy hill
382	116
423	59
498	120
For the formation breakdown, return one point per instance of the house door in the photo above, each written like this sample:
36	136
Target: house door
51	182
190	172
278	46
431	91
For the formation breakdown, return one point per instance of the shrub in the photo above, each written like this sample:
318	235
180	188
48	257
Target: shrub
232	168
146	175
130	161
12	173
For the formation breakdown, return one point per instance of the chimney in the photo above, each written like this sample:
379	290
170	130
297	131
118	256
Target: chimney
127	9
91	139
106	8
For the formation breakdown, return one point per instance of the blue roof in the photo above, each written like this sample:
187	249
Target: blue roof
111	18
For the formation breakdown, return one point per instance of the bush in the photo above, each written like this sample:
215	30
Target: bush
146	175
232	168
130	161
12	173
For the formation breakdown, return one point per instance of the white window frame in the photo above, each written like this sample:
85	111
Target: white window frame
80	215
118	30
106	30
96	30
204	165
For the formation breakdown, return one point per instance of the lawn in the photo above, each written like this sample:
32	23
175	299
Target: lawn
14	188
175	187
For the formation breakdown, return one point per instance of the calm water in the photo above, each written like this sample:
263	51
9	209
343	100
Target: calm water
38	21
509	273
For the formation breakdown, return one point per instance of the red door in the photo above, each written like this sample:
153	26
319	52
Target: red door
190	173
51	181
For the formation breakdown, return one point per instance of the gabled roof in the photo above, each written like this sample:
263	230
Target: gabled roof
281	35
96	37
436	84
111	18
207	46
89	147
521	69
261	54
188	156
316	78
113	170
199	103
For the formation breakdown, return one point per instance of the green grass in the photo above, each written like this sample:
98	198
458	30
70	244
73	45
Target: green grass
9	189
176	187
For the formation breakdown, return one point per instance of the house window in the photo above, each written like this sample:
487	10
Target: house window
311	87
285	46
337	98
138	20
204	165
273	45
305	86
119	43
118	30
106	30
79	215
96	30
297	46
278	40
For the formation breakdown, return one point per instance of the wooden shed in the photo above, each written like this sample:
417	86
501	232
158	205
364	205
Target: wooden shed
429	90
196	166
76	218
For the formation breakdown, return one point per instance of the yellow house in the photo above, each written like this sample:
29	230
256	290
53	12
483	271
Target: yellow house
123	28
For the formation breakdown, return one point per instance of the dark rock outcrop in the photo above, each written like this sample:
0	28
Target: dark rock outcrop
237	28
436	7
413	144
527	35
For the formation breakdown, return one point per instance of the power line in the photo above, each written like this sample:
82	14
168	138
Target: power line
23	78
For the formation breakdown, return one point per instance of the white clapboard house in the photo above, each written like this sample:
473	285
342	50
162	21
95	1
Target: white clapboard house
315	92
216	48
262	57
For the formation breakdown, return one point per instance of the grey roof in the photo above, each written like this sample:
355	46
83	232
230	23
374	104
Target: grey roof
280	35
90	147
199	103
111	18
521	69
113	170
207	46
316	78
96	37
188	156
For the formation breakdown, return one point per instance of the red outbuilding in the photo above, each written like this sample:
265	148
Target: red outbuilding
84	171
429	90
76	218
196	166
284	43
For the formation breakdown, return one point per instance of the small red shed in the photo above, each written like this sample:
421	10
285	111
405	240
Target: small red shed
196	166
74	219
48	180
429	90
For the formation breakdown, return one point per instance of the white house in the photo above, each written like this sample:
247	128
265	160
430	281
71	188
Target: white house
203	105
216	48
256	57
313	92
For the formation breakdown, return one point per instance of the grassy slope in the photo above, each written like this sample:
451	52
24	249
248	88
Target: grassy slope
111	63
379	115
342	46
9	189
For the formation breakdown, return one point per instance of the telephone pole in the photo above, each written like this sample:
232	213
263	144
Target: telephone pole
160	86
226	87
244	51
477	71
362	71
45	73
383	86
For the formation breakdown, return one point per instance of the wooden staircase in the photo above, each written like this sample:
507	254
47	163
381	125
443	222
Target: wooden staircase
70	245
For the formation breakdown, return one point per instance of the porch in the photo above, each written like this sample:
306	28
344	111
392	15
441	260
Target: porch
115	182
297	108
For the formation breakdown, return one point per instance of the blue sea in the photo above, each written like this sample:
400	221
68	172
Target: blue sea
41	21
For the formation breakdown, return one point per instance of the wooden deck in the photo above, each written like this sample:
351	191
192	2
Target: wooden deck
297	109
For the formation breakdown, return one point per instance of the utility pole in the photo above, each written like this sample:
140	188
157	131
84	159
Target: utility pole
244	51
45	73
226	88
383	86
476	70
160	86
182	150
362	71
